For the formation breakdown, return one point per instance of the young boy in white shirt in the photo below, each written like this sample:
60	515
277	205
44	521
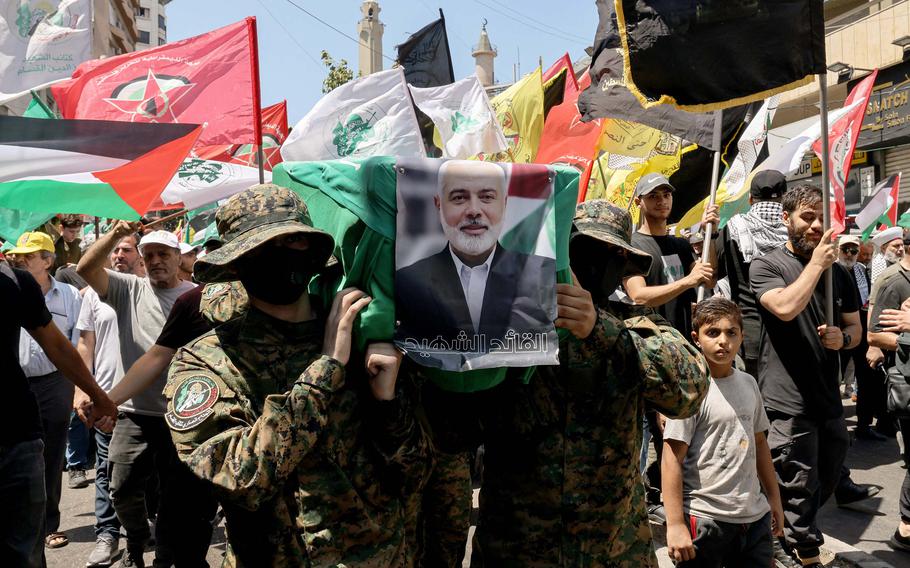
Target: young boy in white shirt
716	463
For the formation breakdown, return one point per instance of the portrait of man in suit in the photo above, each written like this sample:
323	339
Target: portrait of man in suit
473	288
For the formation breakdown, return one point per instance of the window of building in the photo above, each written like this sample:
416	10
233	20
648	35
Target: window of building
144	12
143	37
162	25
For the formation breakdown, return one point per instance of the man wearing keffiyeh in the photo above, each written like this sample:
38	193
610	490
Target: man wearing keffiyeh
746	237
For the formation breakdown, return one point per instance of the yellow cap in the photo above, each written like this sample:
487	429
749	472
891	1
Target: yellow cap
32	242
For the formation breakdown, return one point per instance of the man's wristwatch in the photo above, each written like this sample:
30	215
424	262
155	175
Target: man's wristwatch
847	340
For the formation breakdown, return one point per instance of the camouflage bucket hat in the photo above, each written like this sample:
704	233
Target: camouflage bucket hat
601	220
254	217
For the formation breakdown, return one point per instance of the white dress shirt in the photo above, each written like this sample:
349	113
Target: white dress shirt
474	283
63	302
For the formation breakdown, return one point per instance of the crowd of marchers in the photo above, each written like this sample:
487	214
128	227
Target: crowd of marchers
208	383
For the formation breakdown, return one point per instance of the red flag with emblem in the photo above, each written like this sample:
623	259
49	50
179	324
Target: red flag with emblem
842	137
274	131
210	79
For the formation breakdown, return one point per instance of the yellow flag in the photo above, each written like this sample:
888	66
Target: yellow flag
631	150
519	110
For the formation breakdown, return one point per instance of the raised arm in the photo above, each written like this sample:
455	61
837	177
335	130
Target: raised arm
92	265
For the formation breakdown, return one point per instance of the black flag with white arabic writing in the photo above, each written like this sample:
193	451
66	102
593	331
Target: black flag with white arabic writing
702	55
426	58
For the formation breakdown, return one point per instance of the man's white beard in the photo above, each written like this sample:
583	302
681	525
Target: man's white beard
891	257
848	264
470	244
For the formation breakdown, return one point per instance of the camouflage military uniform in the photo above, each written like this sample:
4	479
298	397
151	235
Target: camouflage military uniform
309	468
561	480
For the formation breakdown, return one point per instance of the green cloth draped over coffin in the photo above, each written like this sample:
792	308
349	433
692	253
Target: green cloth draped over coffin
355	202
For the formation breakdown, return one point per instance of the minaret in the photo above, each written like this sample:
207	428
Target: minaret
483	54
369	31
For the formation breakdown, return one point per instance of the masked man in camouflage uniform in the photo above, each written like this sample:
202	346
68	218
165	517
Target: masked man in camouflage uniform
308	456
561	480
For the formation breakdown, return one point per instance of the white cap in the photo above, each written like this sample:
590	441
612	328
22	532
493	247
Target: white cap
848	240
165	238
888	235
186	247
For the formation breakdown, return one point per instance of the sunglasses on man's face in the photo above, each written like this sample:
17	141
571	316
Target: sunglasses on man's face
850	251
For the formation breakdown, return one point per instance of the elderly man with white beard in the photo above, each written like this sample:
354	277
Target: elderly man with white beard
473	284
889	249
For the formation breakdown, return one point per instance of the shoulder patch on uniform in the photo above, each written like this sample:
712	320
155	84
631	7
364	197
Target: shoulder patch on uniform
192	402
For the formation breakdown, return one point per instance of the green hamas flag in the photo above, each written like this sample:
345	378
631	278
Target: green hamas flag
355	202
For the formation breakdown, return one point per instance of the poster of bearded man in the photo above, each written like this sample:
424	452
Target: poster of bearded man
475	264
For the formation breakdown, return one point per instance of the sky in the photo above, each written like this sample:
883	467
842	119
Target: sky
290	41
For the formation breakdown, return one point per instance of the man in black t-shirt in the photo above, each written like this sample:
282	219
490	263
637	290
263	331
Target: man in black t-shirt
675	273
799	368
21	447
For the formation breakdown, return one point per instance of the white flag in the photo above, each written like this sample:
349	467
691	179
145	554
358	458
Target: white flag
462	114
787	158
199	182
41	42
369	116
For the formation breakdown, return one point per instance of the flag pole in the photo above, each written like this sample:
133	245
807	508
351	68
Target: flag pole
826	190
257	101
712	196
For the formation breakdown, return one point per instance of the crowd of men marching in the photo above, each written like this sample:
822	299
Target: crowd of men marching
198	380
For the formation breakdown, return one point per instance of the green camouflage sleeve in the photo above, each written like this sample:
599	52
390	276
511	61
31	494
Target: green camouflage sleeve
674	373
600	343
219	437
401	442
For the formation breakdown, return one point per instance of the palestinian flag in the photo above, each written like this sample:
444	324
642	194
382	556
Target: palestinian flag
529	225
100	168
881	209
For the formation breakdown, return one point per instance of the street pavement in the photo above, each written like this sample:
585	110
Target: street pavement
866	526
869	525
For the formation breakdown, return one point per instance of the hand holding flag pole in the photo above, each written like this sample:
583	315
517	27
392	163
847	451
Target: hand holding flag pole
715	175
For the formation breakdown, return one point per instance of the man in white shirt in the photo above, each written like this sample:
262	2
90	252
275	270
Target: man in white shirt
141	445
34	253
99	346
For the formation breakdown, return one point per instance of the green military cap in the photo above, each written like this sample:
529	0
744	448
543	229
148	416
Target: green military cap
600	220
254	217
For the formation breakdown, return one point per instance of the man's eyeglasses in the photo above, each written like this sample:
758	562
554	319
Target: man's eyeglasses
851	251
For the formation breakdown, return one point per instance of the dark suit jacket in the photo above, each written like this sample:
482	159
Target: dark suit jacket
430	301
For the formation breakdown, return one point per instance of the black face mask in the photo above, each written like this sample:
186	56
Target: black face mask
599	271
277	275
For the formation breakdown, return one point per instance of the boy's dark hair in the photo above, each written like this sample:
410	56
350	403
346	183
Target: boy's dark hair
806	194
713	309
